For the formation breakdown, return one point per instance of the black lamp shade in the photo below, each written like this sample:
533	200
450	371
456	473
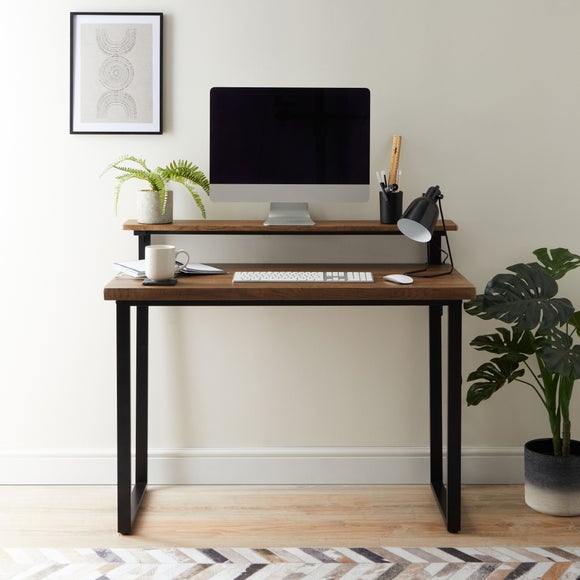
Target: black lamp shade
419	219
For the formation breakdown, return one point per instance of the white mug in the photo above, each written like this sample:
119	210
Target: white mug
160	262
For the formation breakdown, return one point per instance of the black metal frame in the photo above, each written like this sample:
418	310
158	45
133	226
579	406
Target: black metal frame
129	129
448	495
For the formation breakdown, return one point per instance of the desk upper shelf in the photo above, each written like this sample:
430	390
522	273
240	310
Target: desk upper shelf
248	227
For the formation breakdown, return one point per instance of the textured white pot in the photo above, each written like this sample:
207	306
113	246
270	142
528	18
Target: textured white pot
552	484
150	212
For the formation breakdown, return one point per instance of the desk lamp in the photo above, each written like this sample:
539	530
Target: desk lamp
418	222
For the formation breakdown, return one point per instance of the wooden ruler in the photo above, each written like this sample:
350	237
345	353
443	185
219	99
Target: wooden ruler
395	154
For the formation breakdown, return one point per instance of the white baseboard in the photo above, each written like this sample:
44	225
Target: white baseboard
269	466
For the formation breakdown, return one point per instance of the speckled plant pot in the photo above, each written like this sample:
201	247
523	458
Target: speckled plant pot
150	212
552	484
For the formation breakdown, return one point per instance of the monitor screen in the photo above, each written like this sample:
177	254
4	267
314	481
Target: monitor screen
293	145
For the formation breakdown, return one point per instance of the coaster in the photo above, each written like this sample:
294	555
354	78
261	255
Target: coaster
170	282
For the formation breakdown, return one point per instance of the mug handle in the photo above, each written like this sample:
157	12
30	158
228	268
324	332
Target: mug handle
180	268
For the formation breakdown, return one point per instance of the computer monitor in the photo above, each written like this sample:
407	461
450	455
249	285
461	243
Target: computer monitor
289	146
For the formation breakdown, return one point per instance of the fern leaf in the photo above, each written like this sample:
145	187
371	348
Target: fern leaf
120	180
186	183
122	159
187	171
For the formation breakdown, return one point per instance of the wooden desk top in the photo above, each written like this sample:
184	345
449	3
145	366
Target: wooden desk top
366	227
219	288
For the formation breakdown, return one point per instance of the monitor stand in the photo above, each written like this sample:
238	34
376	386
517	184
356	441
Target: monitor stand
289	214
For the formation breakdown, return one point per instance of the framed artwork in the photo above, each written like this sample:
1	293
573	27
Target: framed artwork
116	72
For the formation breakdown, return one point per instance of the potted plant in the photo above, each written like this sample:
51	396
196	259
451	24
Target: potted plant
157	201
537	349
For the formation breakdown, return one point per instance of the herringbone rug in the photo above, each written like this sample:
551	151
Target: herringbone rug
290	563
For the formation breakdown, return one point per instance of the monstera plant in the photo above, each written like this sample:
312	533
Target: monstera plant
538	347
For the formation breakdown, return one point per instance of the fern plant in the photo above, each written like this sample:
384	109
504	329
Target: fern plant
538	348
183	172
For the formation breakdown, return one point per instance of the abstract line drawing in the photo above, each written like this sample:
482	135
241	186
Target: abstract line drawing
116	73
116	99
116	66
112	47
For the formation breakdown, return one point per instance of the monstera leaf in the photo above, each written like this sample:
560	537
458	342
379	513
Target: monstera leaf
559	353
503	341
575	322
557	262
490	377
525	299
477	307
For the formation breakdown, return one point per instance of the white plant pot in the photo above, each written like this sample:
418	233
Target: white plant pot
552	484
150	212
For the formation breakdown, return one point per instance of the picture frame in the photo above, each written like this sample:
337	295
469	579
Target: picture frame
116	66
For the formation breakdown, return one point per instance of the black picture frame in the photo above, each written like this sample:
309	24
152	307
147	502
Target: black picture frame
116	73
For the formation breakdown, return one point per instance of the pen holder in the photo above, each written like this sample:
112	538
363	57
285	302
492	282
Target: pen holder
391	206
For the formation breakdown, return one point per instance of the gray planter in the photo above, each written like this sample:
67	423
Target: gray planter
149	211
552	484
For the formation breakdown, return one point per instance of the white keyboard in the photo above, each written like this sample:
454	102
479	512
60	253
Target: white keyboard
303	276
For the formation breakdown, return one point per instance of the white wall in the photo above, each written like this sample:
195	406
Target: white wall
485	95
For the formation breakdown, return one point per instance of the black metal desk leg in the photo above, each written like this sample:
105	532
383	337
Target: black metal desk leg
436	407
128	499
141	410
448	495
454	418
141	415
435	400
123	418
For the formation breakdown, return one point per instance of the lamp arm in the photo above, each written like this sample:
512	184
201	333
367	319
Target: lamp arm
446	236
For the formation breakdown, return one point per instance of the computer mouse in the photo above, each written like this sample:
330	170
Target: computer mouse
398	278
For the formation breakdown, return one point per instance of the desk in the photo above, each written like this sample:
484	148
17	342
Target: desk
434	293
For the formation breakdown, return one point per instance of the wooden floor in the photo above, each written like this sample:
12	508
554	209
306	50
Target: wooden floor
275	516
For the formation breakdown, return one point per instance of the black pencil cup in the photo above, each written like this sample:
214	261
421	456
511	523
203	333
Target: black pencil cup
391	206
